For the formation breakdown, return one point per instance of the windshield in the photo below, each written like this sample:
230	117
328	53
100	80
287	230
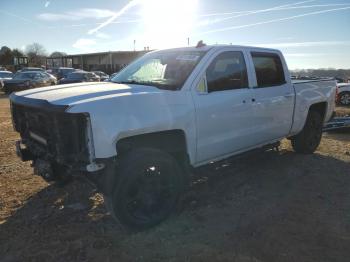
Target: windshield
5	74
28	75
166	70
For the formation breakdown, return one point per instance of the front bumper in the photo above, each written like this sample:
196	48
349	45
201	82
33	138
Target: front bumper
58	142
49	132
22	152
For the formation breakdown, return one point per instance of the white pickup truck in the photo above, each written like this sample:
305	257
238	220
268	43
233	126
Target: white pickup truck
138	136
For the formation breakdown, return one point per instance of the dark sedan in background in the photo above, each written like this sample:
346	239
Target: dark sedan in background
28	80
62	72
79	77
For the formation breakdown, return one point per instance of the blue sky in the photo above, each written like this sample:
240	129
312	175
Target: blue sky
311	34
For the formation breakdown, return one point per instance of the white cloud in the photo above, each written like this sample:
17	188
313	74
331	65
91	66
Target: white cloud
102	35
285	38
85	44
47	3
77	15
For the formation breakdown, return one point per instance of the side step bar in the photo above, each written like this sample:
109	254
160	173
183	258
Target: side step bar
337	123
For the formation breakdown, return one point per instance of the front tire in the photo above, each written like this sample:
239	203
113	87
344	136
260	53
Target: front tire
149	185
309	138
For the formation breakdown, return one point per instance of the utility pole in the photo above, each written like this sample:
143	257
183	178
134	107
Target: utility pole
134	45
188	41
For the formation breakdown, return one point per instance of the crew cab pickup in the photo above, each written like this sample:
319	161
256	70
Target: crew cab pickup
139	136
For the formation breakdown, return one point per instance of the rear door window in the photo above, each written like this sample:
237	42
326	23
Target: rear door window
268	69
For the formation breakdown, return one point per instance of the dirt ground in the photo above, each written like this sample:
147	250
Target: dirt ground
273	206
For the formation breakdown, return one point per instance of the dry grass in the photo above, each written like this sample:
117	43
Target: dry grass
275	206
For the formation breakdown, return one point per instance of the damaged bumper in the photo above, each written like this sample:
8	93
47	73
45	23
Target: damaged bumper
55	140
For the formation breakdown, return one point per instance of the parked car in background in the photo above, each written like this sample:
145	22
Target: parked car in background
111	76
103	76
27	80
5	75
344	94
28	69
52	77
78	77
61	72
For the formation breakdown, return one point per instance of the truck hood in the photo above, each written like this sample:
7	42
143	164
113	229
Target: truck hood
72	94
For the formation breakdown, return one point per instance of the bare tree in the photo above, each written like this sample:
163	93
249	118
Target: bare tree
36	54
17	53
6	57
57	54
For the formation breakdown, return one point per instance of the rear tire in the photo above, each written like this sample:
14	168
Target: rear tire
309	138
149	185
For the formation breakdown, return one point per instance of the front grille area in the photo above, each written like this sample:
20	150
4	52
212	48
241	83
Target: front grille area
53	134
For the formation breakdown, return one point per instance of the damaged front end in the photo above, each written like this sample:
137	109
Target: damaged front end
59	143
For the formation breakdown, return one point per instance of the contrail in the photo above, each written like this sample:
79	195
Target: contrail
135	2
17	16
253	11
118	14
275	9
218	20
313	6
203	15
22	18
274	20
278	8
96	24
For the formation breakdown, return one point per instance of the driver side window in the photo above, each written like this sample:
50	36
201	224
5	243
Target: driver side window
228	71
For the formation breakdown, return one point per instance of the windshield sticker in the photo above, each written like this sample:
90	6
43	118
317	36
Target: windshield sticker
188	57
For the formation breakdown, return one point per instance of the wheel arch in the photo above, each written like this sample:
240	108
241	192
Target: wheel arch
172	141
320	107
